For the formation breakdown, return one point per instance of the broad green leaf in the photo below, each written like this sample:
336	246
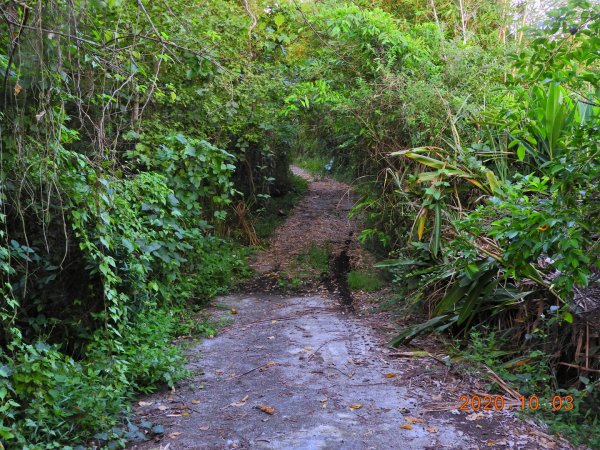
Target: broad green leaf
568	317
437	231
279	20
521	152
409	333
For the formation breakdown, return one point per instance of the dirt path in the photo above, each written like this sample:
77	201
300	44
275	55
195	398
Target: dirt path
304	372
321	217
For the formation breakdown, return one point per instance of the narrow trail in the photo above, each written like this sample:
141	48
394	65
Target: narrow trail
304	372
321	217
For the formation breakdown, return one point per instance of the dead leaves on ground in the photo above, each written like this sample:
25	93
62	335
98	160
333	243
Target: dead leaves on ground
475	416
266	409
267	365
412	420
242	402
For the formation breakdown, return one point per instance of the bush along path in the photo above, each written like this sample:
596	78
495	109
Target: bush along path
297	367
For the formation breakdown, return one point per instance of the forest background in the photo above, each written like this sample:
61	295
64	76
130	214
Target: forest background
142	143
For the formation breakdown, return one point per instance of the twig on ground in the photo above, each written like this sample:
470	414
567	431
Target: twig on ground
502	384
250	371
315	352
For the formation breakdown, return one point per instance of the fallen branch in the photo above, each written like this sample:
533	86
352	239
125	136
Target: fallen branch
575	366
502	384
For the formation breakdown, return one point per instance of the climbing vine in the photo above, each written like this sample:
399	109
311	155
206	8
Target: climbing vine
139	139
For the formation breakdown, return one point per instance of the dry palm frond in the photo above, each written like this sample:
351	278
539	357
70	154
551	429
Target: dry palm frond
241	211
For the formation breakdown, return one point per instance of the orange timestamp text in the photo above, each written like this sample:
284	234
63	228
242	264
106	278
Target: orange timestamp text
499	403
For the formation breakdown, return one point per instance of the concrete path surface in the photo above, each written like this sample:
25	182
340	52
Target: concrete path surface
302	373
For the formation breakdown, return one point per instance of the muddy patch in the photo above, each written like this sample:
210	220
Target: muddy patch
336	280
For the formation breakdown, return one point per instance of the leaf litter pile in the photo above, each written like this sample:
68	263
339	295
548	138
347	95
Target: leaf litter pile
296	371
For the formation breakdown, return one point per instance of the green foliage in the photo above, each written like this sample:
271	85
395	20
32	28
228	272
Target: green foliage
530	223
530	373
276	208
306	269
321	166
477	149
318	258
194	323
127	131
315	165
535	221
50	398
289	282
315	259
364	281
379	83
199	172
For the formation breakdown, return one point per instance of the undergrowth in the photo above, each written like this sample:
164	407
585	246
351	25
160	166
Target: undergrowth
306	269
322	166
367	281
530	373
131	143
316	258
50	398
277	208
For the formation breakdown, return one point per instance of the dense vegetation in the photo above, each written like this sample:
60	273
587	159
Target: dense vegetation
140	141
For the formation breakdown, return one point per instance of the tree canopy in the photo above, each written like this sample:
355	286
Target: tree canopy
140	140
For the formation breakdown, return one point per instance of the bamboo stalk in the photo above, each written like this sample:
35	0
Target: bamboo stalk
587	346
435	16
463	21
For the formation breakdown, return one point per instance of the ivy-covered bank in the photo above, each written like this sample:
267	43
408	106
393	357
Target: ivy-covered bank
141	140
134	137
